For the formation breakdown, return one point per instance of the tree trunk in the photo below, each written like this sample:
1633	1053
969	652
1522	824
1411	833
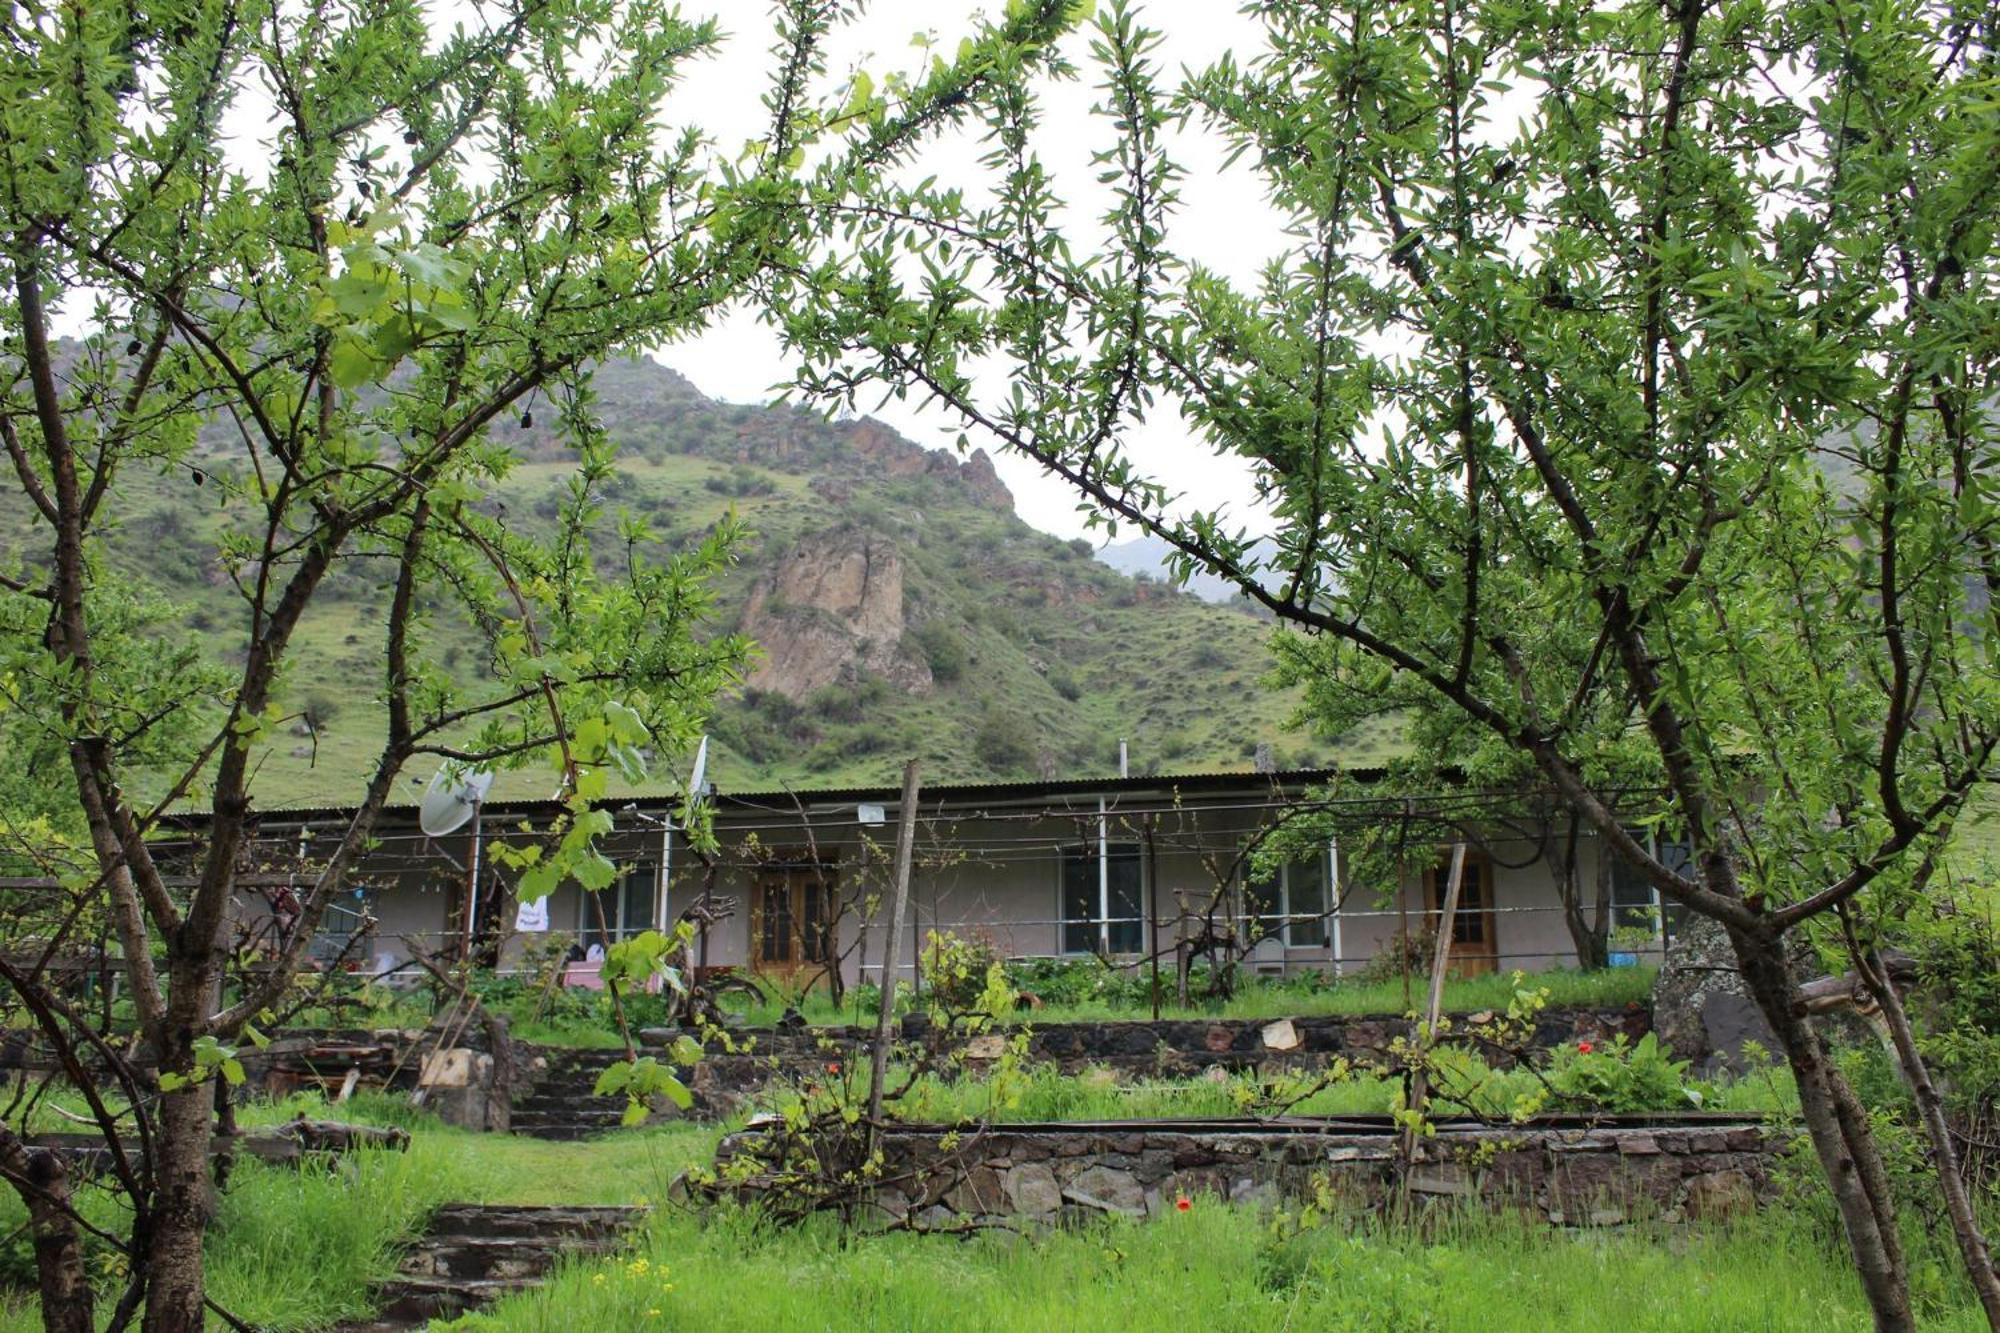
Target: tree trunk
41	1178
184	1195
1972	1244
1587	937
1843	1144
174	1286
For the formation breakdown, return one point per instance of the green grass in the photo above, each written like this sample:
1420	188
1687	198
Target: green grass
299	1248
1041	1094
1220	1268
1613	988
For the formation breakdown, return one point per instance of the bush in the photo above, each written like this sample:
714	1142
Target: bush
1618	1076
1063	681
964	975
1005	741
943	650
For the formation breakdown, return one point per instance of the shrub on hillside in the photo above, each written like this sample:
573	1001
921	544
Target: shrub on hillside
943	650
1005	741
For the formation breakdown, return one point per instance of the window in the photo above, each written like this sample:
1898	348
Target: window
627	904
1291	904
343	933
1083	925
1635	900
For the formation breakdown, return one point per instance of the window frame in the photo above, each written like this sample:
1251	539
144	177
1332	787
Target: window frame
645	873
1100	927
1321	922
1655	842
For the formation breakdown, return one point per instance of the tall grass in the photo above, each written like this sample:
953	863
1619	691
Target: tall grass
585	1021
1216	1267
1043	1093
299	1248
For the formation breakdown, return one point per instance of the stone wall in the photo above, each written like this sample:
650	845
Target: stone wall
1173	1048
1690	1167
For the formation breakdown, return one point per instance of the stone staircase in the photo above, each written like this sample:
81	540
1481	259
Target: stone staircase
473	1254
558	1103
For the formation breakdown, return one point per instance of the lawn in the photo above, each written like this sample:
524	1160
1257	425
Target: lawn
295	1250
1222	1268
298	1248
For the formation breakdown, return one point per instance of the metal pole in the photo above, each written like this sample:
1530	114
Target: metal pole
1333	891
666	872
906	837
1103	883
472	893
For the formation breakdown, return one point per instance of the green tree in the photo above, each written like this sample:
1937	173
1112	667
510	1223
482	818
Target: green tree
453	227
1629	378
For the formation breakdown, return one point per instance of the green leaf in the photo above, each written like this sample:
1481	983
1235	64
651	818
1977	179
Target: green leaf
538	882
676	1091
350	362
594	871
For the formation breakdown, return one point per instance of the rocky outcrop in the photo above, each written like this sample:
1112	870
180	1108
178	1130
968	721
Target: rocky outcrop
881	450
830	610
983	483
1701	1008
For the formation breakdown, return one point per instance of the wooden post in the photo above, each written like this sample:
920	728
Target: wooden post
1440	959
1153	912
906	837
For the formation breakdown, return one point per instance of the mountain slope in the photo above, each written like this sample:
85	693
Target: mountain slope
902	608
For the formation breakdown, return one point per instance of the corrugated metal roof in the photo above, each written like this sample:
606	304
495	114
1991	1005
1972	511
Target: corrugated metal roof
944	792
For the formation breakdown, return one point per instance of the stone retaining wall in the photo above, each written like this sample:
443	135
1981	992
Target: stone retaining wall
1572	1176
1173	1048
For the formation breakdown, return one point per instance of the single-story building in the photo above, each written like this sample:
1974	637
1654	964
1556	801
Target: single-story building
796	882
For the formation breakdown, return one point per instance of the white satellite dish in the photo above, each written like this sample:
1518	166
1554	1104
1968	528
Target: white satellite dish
695	789
451	799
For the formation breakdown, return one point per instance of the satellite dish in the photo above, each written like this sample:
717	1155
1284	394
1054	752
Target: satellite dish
451	799
695	789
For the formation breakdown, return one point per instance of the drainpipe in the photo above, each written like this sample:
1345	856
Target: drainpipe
1103	882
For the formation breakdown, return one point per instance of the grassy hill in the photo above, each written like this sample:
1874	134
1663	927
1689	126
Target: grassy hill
1024	655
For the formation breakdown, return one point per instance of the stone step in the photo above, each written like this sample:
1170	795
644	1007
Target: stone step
473	1254
497	1256
411	1301
565	1133
477	1221
543	1101
567	1115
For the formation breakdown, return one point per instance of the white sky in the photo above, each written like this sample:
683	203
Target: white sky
1222	222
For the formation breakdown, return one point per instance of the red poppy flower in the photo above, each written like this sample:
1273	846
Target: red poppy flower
833	1067
1583	1047
1183	1204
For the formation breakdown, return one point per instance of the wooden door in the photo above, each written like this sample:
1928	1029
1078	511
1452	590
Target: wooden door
1475	947
791	922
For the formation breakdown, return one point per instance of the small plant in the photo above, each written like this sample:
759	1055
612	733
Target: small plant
1622	1076
965	978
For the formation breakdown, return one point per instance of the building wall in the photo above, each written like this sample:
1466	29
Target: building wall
997	874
